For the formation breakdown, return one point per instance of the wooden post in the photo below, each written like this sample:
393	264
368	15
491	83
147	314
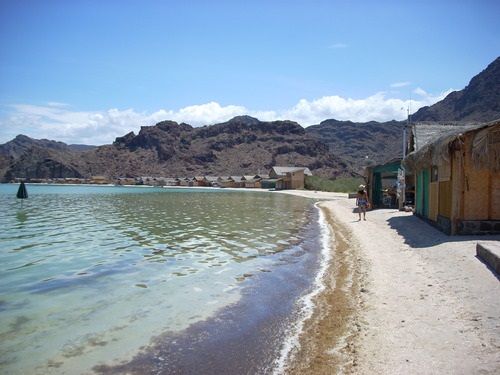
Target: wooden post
490	194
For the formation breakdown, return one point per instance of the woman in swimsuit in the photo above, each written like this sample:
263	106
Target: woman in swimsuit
362	201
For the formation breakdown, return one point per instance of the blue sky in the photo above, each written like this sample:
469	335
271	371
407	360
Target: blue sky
88	71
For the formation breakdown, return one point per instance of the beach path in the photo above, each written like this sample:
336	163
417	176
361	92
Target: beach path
430	306
419	301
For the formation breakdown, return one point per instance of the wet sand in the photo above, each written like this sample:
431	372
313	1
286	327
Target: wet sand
402	297
327	341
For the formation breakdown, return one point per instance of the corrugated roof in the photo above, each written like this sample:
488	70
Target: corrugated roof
282	171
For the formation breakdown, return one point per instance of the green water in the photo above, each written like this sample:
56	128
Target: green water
91	274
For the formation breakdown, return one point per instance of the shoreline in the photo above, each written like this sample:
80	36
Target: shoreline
328	341
401	297
396	296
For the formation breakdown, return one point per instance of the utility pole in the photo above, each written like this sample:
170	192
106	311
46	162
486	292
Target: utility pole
401	171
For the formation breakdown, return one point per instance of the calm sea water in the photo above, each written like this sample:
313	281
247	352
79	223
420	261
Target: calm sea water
91	276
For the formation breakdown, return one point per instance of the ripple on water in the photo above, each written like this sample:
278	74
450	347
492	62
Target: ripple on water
81	261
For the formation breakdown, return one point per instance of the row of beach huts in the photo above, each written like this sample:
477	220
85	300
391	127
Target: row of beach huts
278	177
450	175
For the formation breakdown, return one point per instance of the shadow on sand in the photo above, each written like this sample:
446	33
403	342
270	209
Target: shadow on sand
419	234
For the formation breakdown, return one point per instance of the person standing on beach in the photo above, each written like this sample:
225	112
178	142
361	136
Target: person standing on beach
362	201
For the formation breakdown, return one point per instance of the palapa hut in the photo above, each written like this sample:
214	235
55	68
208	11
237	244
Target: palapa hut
289	177
382	182
252	181
225	182
457	179
200	181
211	181
185	181
238	181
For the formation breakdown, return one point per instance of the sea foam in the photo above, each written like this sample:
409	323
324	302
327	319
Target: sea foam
306	305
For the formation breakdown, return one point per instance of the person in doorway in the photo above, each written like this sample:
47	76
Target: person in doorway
362	201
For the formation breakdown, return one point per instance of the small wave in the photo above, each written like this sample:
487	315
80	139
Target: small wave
305	303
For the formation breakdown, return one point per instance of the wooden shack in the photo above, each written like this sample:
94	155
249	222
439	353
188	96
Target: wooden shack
100	180
382	184
252	182
457	180
225	182
200	181
170	181
212	181
185	181
238	181
289	177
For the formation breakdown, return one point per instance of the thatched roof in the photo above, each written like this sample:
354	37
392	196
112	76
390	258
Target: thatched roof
423	133
485	146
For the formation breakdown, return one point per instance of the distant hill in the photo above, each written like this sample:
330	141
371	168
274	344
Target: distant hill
479	101
361	143
18	146
243	145
28	157
74	147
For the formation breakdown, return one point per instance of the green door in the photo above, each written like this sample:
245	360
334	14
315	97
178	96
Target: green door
422	193
425	192
377	190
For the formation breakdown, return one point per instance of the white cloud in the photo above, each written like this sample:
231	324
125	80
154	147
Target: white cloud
421	92
101	127
209	113
57	104
376	107
400	84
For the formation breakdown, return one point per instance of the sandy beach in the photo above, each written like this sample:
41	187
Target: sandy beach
401	298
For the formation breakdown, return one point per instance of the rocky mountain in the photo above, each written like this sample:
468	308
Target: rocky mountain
25	156
21	143
479	101
361	144
243	145
373	142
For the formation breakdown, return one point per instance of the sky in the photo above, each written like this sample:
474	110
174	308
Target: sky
90	71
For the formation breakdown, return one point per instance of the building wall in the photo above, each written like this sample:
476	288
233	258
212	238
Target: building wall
476	194
495	195
296	180
477	189
445	196
463	198
434	200
252	184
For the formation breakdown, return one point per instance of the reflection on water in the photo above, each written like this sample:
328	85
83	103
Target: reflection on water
21	216
92	273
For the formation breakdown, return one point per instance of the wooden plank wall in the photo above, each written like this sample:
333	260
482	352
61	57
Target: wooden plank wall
477	189
434	200
495	196
445	198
